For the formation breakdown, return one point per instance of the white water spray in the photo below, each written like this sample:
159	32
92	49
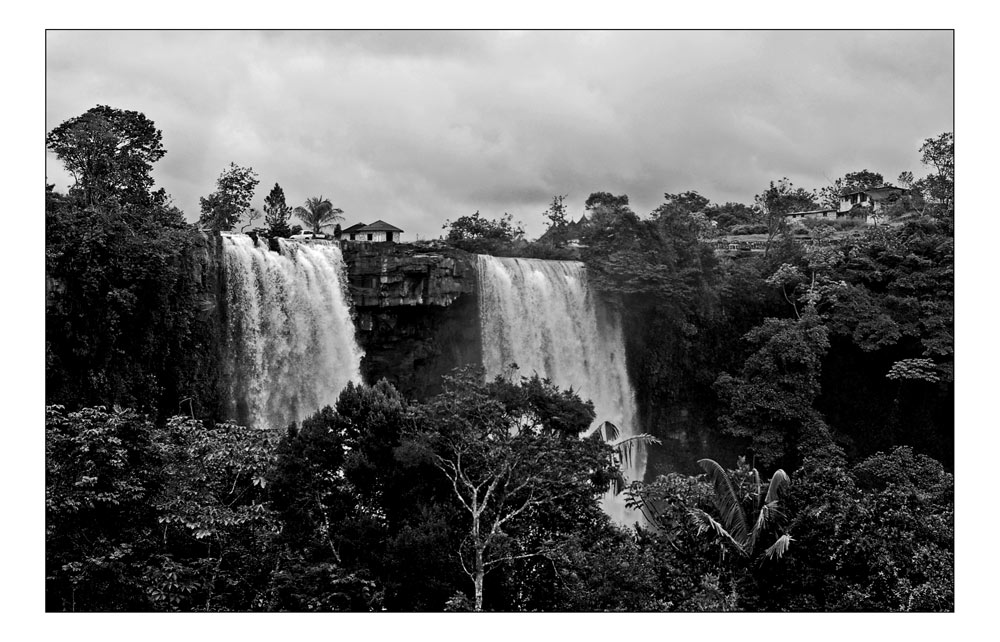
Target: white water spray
542	316
290	346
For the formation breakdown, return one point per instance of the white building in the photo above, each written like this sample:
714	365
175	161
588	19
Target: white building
827	213
874	198
377	232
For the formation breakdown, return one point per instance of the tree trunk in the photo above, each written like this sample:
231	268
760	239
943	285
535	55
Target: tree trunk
479	579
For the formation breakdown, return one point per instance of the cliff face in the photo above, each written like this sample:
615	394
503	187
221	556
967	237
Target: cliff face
416	312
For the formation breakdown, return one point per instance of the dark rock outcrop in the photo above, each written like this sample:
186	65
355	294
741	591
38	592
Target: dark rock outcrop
416	310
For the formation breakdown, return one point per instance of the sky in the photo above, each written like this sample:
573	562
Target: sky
420	127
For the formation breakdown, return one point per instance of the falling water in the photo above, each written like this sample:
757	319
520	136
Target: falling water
290	345
542	316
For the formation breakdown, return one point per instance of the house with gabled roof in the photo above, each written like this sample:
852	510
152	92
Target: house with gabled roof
377	232
874	197
349	233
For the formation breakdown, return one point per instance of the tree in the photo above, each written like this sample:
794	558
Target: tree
317	507
772	400
110	153
502	463
939	153
478	227
778	200
100	478
556	214
222	209
319	213
252	215
276	213
476	233
681	205
606	200
730	214
878	536
214	520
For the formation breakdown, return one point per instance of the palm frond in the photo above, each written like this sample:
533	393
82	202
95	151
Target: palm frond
706	522
626	447
779	482
727	500
318	213
767	515
609	431
779	548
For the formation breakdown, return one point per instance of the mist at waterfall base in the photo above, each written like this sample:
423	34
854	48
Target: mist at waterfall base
541	315
290	347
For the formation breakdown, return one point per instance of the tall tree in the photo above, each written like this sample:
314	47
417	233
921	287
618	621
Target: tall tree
684	204
481	235
277	212
939	153
556	214
771	401
110	153
504	461
319	213
730	214
222	209
778	200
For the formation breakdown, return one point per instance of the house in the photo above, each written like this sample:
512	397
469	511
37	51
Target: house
377	232
349	233
875	198
827	213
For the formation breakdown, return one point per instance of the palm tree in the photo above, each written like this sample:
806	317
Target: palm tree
745	512
318	213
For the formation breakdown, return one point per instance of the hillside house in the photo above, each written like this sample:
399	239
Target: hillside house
875	198
350	233
377	232
827	213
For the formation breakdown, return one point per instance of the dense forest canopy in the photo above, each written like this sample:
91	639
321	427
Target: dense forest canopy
823	367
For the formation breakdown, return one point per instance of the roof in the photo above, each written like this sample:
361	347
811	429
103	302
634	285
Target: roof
353	228
819	211
876	190
379	226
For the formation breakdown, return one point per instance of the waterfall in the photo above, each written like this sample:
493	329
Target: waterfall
542	316
289	337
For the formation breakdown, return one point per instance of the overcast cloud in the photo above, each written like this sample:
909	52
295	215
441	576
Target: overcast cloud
418	127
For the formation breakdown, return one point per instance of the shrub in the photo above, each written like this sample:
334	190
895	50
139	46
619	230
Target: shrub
748	228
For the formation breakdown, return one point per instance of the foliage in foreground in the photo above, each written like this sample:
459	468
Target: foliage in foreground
483	497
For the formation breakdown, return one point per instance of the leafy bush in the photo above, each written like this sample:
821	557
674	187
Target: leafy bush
748	228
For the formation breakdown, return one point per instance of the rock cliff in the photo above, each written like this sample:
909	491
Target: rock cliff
416	312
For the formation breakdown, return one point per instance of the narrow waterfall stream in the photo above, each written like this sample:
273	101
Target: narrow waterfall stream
542	316
289	339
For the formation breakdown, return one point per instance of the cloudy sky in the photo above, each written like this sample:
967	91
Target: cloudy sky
418	127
